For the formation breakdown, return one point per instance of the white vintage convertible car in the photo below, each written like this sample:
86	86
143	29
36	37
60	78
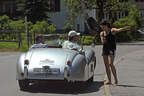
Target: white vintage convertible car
53	62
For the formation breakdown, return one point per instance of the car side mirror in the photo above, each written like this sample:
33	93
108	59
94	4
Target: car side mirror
82	52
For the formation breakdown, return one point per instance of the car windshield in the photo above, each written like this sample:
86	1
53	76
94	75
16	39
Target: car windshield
53	40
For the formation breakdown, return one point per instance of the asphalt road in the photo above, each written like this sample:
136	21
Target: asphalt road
9	85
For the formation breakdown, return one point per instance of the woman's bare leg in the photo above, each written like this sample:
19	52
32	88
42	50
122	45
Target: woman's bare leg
113	69
107	67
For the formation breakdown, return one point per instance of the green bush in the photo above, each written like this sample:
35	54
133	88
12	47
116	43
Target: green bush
42	27
87	40
39	28
52	28
7	23
134	20
4	22
17	25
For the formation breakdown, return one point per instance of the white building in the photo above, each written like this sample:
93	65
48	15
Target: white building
59	16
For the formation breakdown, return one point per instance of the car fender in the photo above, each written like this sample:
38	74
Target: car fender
20	67
78	68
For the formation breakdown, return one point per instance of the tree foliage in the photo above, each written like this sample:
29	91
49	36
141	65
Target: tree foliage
17	25
42	27
79	7
4	22
35	10
8	24
134	20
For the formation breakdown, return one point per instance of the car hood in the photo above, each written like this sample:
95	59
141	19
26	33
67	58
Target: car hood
53	57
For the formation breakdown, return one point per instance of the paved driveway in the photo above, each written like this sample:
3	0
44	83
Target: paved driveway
9	86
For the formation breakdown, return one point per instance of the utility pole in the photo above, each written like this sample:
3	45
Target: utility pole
26	29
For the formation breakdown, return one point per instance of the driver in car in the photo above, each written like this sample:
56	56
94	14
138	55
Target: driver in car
40	42
71	43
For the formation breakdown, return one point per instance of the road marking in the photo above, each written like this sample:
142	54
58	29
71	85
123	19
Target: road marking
107	88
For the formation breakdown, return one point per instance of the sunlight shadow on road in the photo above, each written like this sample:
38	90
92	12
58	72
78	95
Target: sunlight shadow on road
130	86
66	88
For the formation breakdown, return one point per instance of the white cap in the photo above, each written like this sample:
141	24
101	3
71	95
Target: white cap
73	33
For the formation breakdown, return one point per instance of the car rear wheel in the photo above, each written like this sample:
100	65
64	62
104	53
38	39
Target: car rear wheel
23	84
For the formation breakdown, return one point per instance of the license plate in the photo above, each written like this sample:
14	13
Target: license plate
47	71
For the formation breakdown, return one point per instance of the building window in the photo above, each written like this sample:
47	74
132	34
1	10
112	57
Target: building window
106	16
123	0
53	5
142	14
8	8
139	0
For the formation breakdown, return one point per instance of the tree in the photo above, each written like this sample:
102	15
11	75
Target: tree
35	10
78	7
112	7
134	20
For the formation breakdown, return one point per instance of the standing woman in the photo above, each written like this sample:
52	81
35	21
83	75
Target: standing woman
109	47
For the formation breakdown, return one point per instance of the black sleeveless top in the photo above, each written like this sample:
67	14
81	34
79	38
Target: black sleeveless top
109	42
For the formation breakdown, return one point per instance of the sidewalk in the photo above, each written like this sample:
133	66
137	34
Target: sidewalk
130	69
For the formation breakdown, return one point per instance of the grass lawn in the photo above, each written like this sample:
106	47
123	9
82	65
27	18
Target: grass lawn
10	47
141	39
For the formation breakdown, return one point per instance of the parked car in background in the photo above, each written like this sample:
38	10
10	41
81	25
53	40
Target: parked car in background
53	62
141	30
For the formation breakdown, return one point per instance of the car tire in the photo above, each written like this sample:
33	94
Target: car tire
91	80
23	84
95	62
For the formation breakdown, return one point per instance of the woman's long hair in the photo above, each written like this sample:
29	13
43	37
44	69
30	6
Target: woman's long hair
106	23
91	22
